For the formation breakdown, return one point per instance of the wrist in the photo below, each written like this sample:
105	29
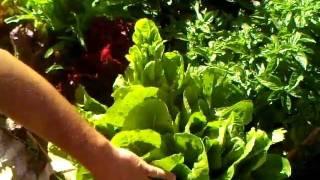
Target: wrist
104	162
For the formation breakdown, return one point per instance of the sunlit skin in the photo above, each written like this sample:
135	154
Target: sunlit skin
29	99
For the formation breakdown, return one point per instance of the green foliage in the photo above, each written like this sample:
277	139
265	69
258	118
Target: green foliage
212	109
178	120
69	19
55	15
87	103
138	141
53	68
139	109
170	162
89	108
270	55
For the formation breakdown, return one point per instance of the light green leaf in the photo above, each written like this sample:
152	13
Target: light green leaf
243	111
200	170
173	68
119	112
234	152
196	123
214	153
190	97
87	103
182	171
138	60
146	32
55	67
253	156
272	65
121	92
135	55
137	141
149	73
261	146
195	155
288	103
155	154
189	145
170	162
217	130
295	80
48	53
156	50
149	114
271	82
302	60
230	172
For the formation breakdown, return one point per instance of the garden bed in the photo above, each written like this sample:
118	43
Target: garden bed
204	89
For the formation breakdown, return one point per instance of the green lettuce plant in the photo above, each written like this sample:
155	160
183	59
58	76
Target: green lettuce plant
169	113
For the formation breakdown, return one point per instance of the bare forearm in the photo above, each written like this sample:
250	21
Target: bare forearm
29	99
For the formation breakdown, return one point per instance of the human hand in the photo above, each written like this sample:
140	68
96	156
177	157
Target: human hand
127	165
53	118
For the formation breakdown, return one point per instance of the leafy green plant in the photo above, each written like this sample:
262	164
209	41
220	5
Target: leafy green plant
270	55
193	94
69	19
174	118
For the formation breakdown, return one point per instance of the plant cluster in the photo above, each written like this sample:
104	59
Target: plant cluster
172	114
204	89
271	55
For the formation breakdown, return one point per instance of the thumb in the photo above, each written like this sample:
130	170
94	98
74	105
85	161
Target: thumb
157	173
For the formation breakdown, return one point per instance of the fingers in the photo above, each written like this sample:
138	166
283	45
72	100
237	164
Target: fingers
145	169
157	173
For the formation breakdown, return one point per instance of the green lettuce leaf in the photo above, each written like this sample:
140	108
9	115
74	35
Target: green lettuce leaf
195	154
137	141
116	115
150	114
170	162
87	103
